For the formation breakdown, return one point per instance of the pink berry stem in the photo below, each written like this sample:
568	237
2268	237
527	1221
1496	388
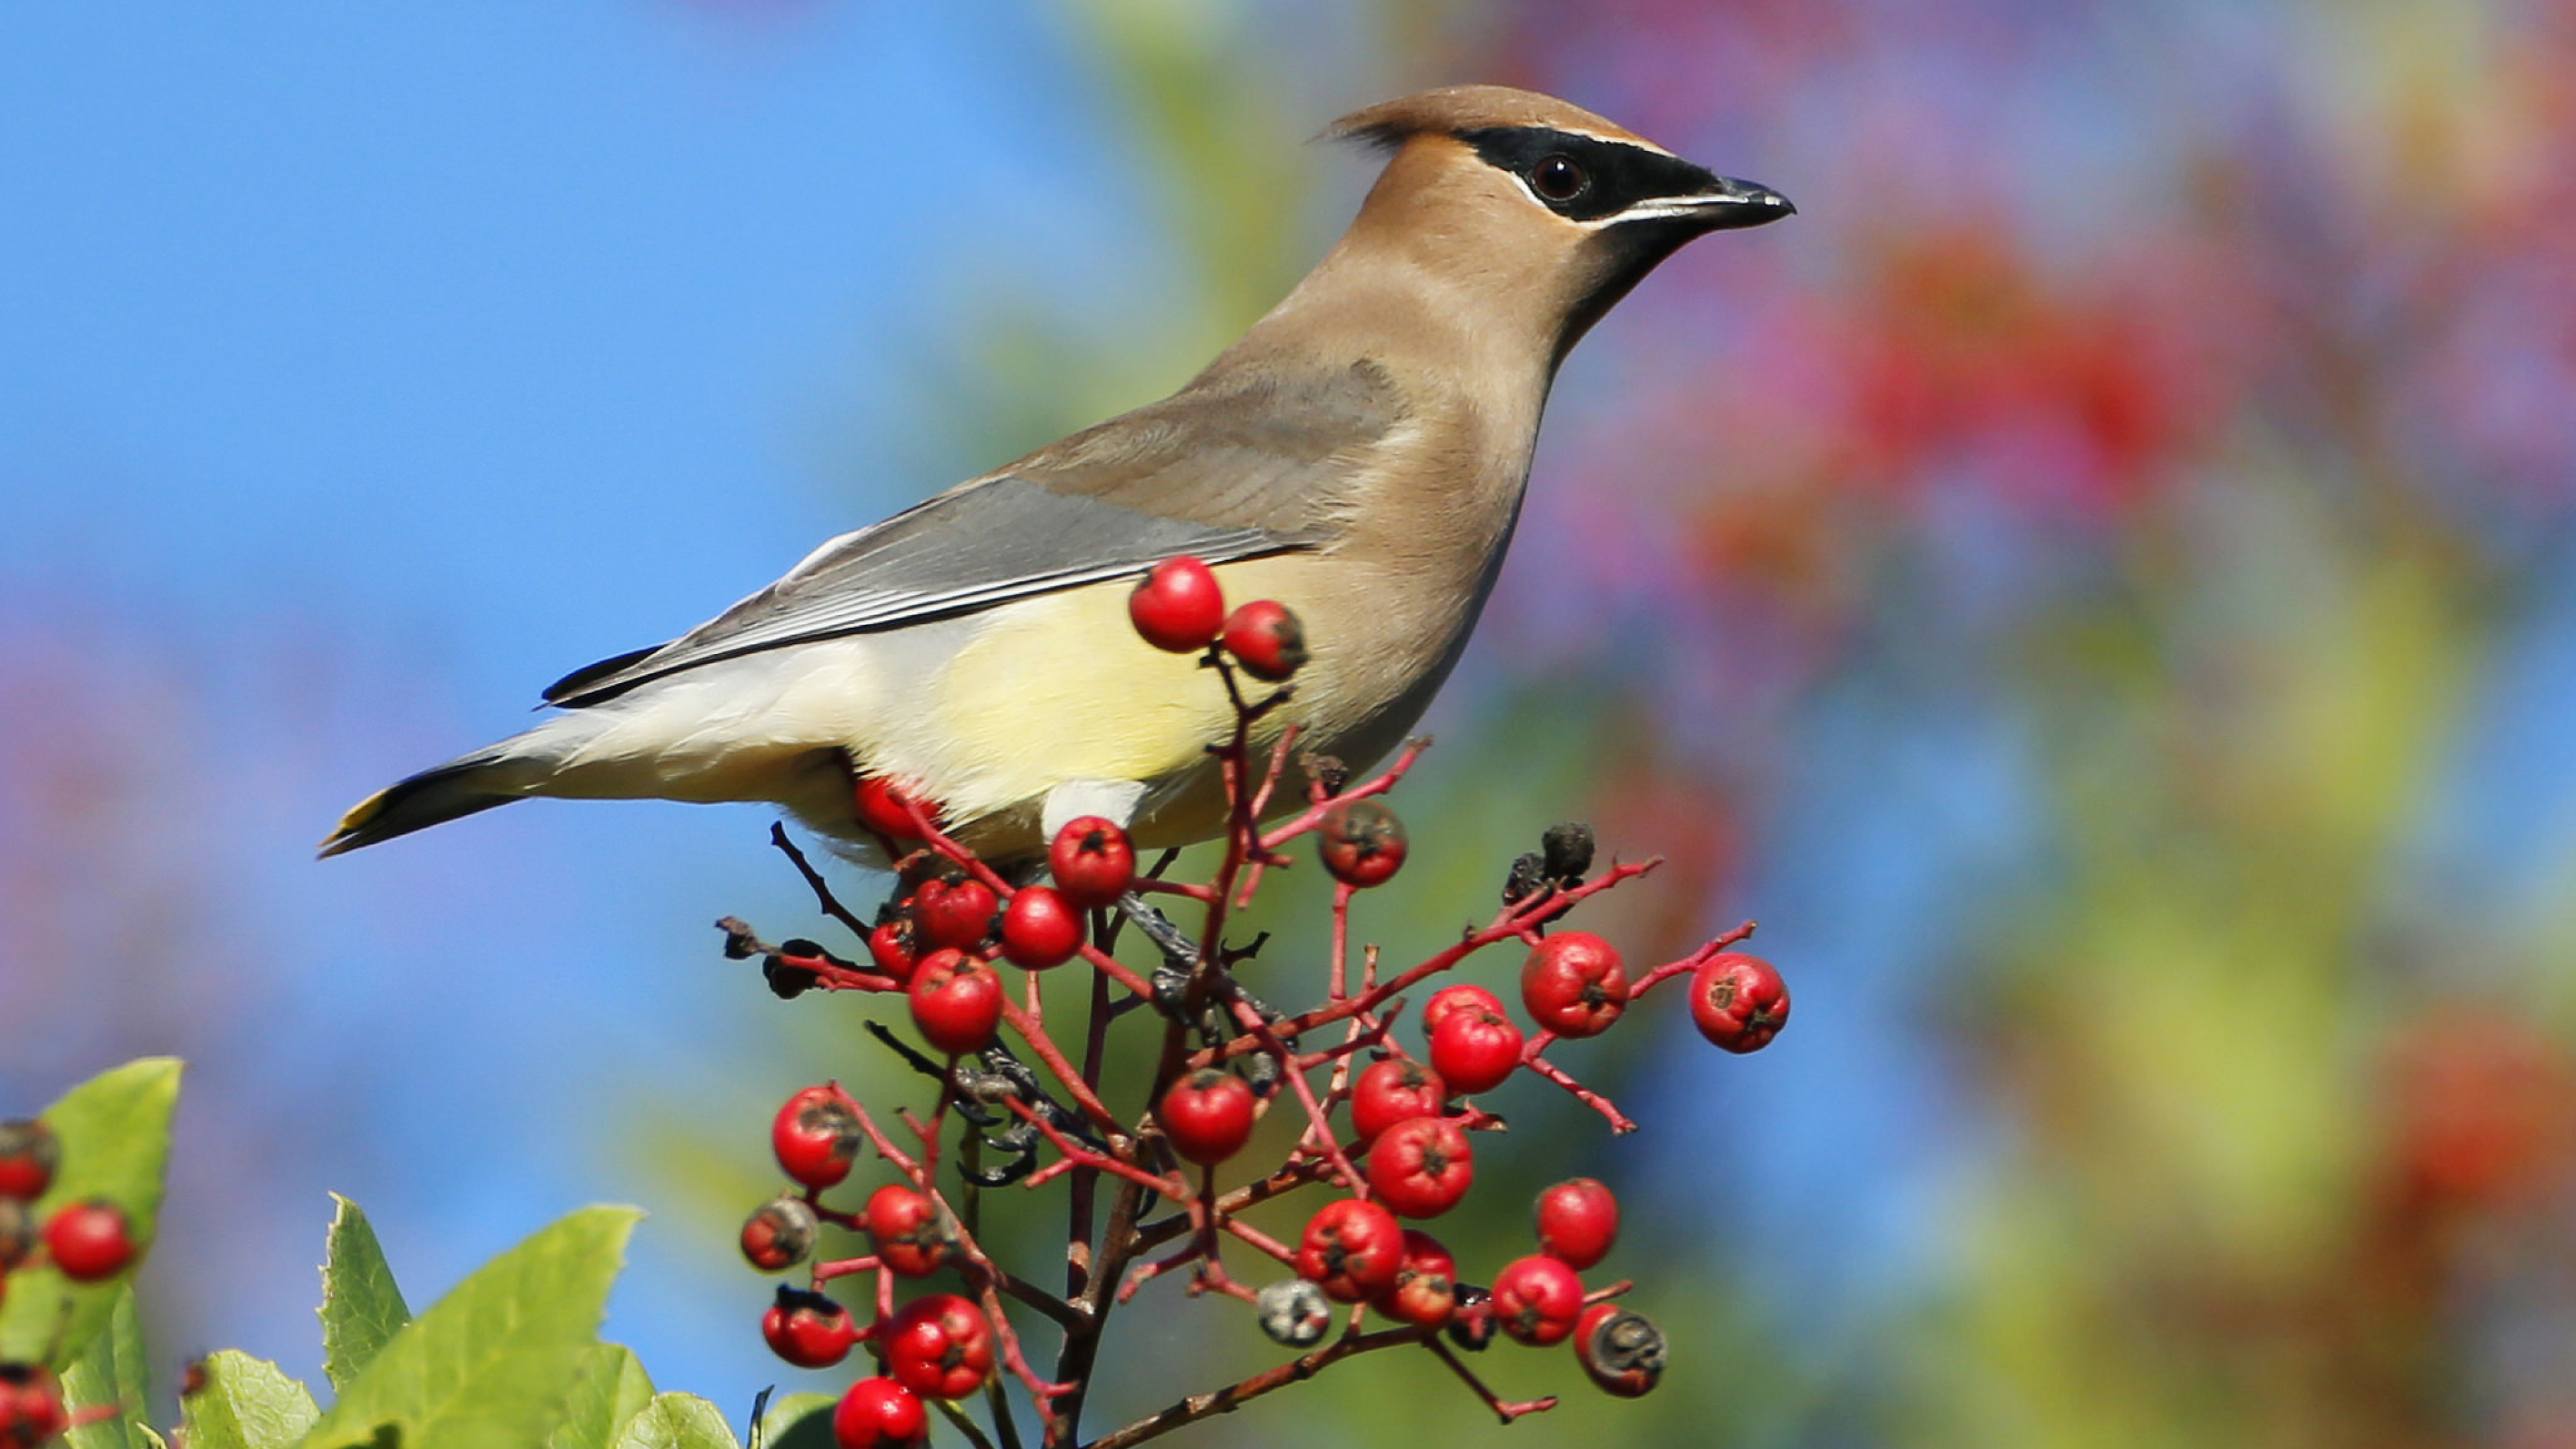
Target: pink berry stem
1313	815
1081	1156
841	1268
1262	856
1320	1125
1054	1060
1531	1058
1342	892
1366	1033
1691	962
1012	1359
1514	922
972	1251
1095	1054
1604	1295
1109	966
959	855
1504	1410
1257	1238
1144	1273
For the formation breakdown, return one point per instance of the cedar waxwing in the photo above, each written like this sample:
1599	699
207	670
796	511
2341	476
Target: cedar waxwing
1359	456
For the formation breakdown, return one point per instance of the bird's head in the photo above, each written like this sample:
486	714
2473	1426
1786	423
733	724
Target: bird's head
1541	209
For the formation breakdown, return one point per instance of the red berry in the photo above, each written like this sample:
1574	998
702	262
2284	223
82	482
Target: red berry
779	1234
958	913
1455	998
90	1240
1361	843
808	1329
1422	1167
1536	1300
1208	1115
1040	928
904	1227
1578	1222
939	1345
895	945
1179	606
880	1414
1475	1049
815	1136
1092	860
1739	1001
1351	1250
1426	1284
1391	1091
956	1002
884	808
31	1405
1574	984
1623	1351
28	1153
1266	640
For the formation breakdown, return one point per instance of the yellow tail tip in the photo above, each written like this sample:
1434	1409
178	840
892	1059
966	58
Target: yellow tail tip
344	838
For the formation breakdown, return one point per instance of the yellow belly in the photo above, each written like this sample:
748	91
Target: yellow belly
1061	688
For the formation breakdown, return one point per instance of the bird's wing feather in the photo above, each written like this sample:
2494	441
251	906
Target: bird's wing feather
1231	467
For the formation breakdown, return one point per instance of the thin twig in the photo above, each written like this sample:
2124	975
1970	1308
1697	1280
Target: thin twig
1503	1410
1234	1396
823	896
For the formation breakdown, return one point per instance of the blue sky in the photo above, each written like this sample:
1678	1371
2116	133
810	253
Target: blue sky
360	371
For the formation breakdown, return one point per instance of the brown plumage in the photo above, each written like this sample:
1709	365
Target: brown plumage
1359	454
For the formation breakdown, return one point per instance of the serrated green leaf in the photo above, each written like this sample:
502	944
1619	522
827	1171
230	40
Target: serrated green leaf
111	1372
678	1421
361	1306
496	1361
247	1403
799	1421
613	1389
115	1136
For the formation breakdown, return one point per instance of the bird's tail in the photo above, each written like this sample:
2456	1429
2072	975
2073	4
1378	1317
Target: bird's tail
460	787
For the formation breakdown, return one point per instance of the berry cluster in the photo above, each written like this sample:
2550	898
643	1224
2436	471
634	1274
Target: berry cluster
1389	1129
86	1241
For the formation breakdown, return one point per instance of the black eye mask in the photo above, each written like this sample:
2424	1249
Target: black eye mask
1615	175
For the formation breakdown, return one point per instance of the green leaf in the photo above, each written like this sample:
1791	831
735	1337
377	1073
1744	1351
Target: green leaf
361	1307
115	1135
496	1361
613	1389
112	1371
678	1421
247	1403
799	1421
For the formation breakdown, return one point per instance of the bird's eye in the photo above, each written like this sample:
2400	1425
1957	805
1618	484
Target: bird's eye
1557	178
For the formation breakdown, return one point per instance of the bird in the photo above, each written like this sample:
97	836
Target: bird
1359	455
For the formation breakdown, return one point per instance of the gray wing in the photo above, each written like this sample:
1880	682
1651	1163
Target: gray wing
1231	467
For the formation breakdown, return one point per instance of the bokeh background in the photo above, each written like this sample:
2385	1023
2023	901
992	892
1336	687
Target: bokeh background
2096	584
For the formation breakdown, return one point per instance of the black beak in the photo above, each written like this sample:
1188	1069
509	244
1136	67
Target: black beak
1730	204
